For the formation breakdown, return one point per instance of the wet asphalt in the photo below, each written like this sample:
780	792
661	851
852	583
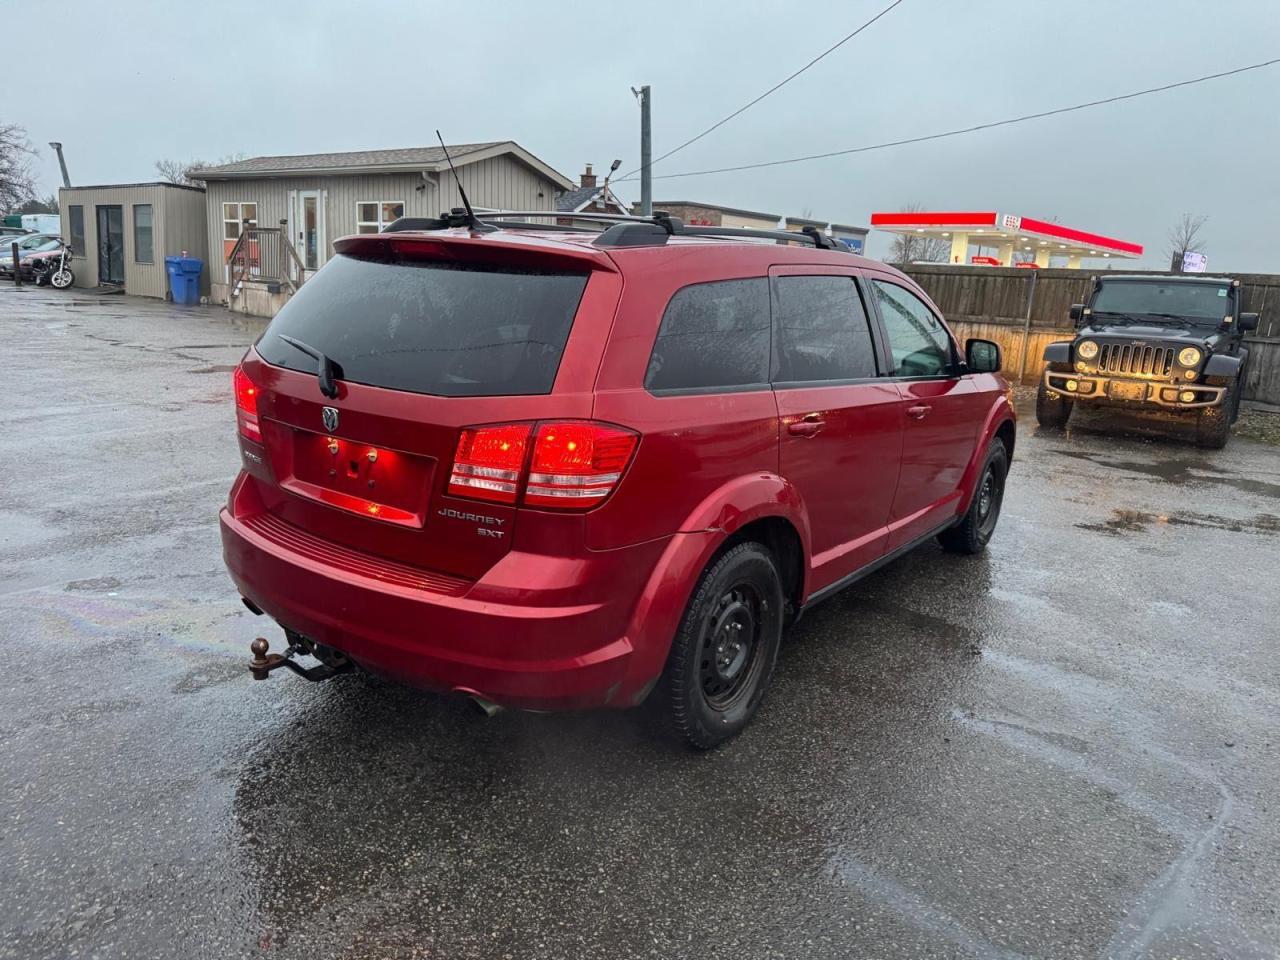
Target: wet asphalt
1067	747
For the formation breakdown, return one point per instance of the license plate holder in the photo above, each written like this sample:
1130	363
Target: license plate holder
1127	391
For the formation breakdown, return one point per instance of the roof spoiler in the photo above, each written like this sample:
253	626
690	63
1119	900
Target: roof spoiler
621	230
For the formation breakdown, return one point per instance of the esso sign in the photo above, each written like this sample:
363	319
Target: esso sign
1010	221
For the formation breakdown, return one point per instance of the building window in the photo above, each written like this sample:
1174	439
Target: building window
233	215
77	228
374	216
143	245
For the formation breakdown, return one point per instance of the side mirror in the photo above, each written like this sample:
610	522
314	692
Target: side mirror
982	356
1248	321
1077	311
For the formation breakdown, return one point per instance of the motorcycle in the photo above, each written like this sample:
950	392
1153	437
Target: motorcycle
55	269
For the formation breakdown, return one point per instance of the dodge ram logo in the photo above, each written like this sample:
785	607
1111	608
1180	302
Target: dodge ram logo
329	417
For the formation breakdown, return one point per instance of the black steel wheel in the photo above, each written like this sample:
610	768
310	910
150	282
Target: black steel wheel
724	651
974	530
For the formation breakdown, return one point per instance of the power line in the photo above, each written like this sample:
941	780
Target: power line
975	128
773	89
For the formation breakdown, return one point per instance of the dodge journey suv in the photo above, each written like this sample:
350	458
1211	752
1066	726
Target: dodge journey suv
555	469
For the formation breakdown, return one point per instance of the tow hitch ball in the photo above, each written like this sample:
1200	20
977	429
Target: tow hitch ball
263	663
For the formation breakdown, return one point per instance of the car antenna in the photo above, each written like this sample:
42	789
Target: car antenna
471	220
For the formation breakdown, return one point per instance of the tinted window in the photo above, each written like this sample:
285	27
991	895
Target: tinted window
920	344
713	335
77	228
455	331
821	329
143	251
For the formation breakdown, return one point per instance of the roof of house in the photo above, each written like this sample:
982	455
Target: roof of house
407	159
572	201
123	186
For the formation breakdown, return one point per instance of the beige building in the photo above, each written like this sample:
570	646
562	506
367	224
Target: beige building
121	233
699	213
306	202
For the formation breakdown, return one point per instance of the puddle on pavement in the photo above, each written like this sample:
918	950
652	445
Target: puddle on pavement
1123	522
1178	471
215	368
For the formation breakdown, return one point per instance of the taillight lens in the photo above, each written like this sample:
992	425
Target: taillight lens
575	465
488	462
246	405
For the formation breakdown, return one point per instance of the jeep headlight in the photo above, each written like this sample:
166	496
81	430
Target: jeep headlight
1189	356
1087	350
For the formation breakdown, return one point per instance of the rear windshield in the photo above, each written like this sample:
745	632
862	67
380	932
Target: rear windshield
445	329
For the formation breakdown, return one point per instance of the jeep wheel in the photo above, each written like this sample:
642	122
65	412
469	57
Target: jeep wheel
1213	425
1053	410
973	532
725	648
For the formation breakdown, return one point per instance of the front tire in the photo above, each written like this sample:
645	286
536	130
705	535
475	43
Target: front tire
62	278
1213	426
974	531
725	648
1053	410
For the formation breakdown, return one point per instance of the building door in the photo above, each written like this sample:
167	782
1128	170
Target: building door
308	228
111	245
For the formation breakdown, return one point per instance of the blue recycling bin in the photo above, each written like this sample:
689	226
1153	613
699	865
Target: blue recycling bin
184	278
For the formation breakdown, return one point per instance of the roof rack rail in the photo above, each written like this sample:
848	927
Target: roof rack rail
624	230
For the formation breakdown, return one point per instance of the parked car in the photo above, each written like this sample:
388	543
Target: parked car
565	470
28	245
1169	344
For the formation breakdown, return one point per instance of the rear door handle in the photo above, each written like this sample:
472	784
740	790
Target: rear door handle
919	411
810	426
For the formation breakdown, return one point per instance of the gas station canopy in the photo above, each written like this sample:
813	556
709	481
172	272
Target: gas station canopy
1007	234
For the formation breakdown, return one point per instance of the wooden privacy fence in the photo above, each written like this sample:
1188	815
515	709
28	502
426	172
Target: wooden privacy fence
1030	308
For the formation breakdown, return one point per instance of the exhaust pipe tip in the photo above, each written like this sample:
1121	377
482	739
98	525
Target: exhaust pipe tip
486	707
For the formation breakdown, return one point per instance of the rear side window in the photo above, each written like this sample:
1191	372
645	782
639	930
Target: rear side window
822	332
919	342
714	336
443	329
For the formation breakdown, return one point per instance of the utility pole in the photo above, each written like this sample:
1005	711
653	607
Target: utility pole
646	155
66	179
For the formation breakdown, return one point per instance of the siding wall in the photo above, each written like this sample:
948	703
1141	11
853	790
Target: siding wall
177	224
498	182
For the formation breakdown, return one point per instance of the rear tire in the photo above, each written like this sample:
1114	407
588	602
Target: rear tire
974	531
725	648
1213	426
1053	410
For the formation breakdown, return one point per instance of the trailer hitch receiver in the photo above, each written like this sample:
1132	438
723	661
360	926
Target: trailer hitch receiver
263	663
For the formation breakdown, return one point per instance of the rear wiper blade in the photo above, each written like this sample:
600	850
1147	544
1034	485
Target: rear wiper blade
327	372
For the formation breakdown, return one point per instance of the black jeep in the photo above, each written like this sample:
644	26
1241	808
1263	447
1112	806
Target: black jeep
1174	344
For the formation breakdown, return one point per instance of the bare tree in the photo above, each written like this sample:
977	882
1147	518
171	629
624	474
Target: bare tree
910	248
179	171
36	205
16	183
1184	238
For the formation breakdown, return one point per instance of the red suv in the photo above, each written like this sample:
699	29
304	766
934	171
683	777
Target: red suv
557	469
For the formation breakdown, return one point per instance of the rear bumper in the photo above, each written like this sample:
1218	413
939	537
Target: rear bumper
1117	391
595	641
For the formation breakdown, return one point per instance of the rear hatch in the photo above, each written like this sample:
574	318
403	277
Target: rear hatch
427	335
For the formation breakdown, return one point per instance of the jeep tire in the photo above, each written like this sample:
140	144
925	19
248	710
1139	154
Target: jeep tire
1213	425
725	648
1053	410
974	530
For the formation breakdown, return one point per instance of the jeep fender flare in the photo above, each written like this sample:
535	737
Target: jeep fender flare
708	527
1059	352
1224	365
999	414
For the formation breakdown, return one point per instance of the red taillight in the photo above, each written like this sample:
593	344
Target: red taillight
246	405
574	464
488	462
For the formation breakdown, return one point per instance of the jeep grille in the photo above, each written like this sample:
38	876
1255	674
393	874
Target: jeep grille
1127	359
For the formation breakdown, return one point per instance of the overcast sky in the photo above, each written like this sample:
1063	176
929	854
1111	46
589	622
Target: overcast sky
126	83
